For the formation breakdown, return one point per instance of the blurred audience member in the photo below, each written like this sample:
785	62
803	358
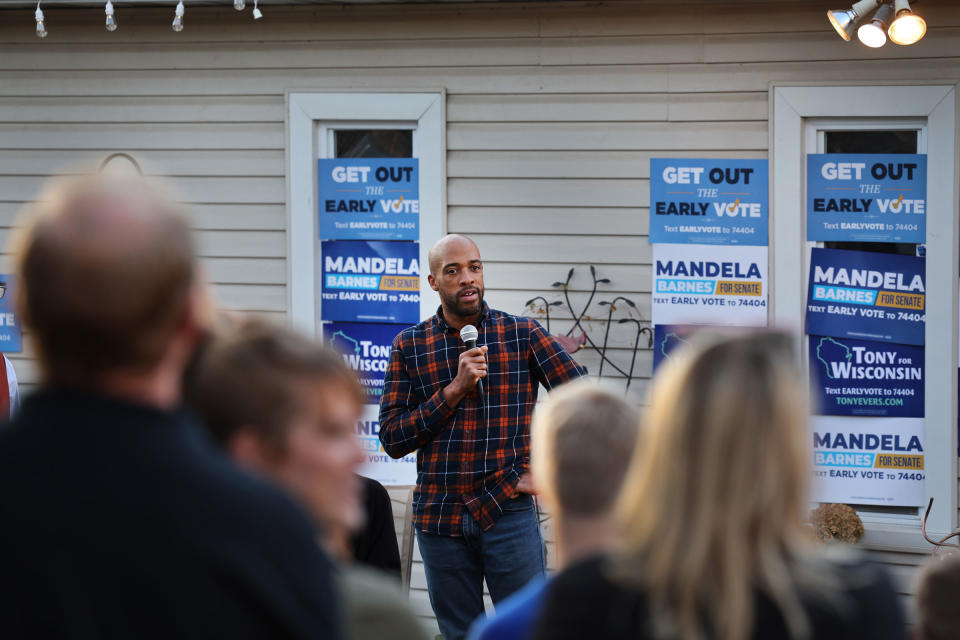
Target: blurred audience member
287	408
712	513
581	441
119	519
375	544
938	591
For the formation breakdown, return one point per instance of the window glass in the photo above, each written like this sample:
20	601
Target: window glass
373	143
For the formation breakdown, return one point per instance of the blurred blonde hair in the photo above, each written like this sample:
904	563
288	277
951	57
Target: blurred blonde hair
582	438
713	504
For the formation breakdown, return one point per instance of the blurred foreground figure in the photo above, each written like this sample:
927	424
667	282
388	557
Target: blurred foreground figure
287	408
713	543
938	592
119	518
581	441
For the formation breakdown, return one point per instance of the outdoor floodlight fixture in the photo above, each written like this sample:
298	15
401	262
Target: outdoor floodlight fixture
845	21
257	14
907	27
874	33
239	5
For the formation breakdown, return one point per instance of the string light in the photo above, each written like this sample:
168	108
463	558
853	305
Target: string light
111	21
178	17
111	18
41	25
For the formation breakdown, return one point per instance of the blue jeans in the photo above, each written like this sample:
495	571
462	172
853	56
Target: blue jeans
508	555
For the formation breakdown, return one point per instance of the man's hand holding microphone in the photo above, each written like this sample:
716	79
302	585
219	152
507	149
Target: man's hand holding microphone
471	369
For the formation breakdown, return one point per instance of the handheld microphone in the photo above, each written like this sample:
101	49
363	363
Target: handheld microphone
469	336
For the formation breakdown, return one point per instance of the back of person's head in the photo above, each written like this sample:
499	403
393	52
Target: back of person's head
253	375
582	438
106	274
714	501
938	590
285	406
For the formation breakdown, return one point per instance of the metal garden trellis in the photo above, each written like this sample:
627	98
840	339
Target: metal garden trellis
572	343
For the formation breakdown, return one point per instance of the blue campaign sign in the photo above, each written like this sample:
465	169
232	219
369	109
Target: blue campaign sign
708	201
666	338
368	281
860	378
10	339
369	198
366	349
860	197
866	295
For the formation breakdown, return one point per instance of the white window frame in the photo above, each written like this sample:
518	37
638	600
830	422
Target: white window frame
791	106
310	115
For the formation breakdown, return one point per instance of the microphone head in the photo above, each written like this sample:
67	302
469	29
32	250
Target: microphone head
468	333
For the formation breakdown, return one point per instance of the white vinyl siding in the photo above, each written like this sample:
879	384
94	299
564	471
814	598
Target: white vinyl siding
553	112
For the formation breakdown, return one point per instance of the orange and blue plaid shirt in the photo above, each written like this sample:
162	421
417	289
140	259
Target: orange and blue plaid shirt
472	455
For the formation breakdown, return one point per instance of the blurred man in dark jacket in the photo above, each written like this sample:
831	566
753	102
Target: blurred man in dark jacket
119	518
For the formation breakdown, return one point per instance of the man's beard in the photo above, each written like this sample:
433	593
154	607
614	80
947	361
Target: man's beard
459	308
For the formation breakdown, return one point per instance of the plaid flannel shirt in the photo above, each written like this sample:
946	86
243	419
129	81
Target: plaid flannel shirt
472	455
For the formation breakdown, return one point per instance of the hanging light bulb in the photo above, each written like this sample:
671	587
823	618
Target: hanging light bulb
908	27
178	17
874	33
257	14
239	5
41	25
111	21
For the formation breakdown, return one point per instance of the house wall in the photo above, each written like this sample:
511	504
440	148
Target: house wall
553	111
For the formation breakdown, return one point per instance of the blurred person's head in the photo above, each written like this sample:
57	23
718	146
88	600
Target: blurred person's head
938	590
582	438
107	284
286	407
714	502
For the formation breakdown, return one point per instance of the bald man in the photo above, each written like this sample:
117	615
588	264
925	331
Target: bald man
119	519
473	510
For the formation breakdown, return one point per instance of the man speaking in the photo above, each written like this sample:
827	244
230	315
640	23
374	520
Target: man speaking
473	512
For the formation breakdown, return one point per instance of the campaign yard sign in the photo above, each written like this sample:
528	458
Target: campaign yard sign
867	461
666	338
366	349
370	281
369	198
859	378
866	295
859	197
709	285
10	337
709	201
377	464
